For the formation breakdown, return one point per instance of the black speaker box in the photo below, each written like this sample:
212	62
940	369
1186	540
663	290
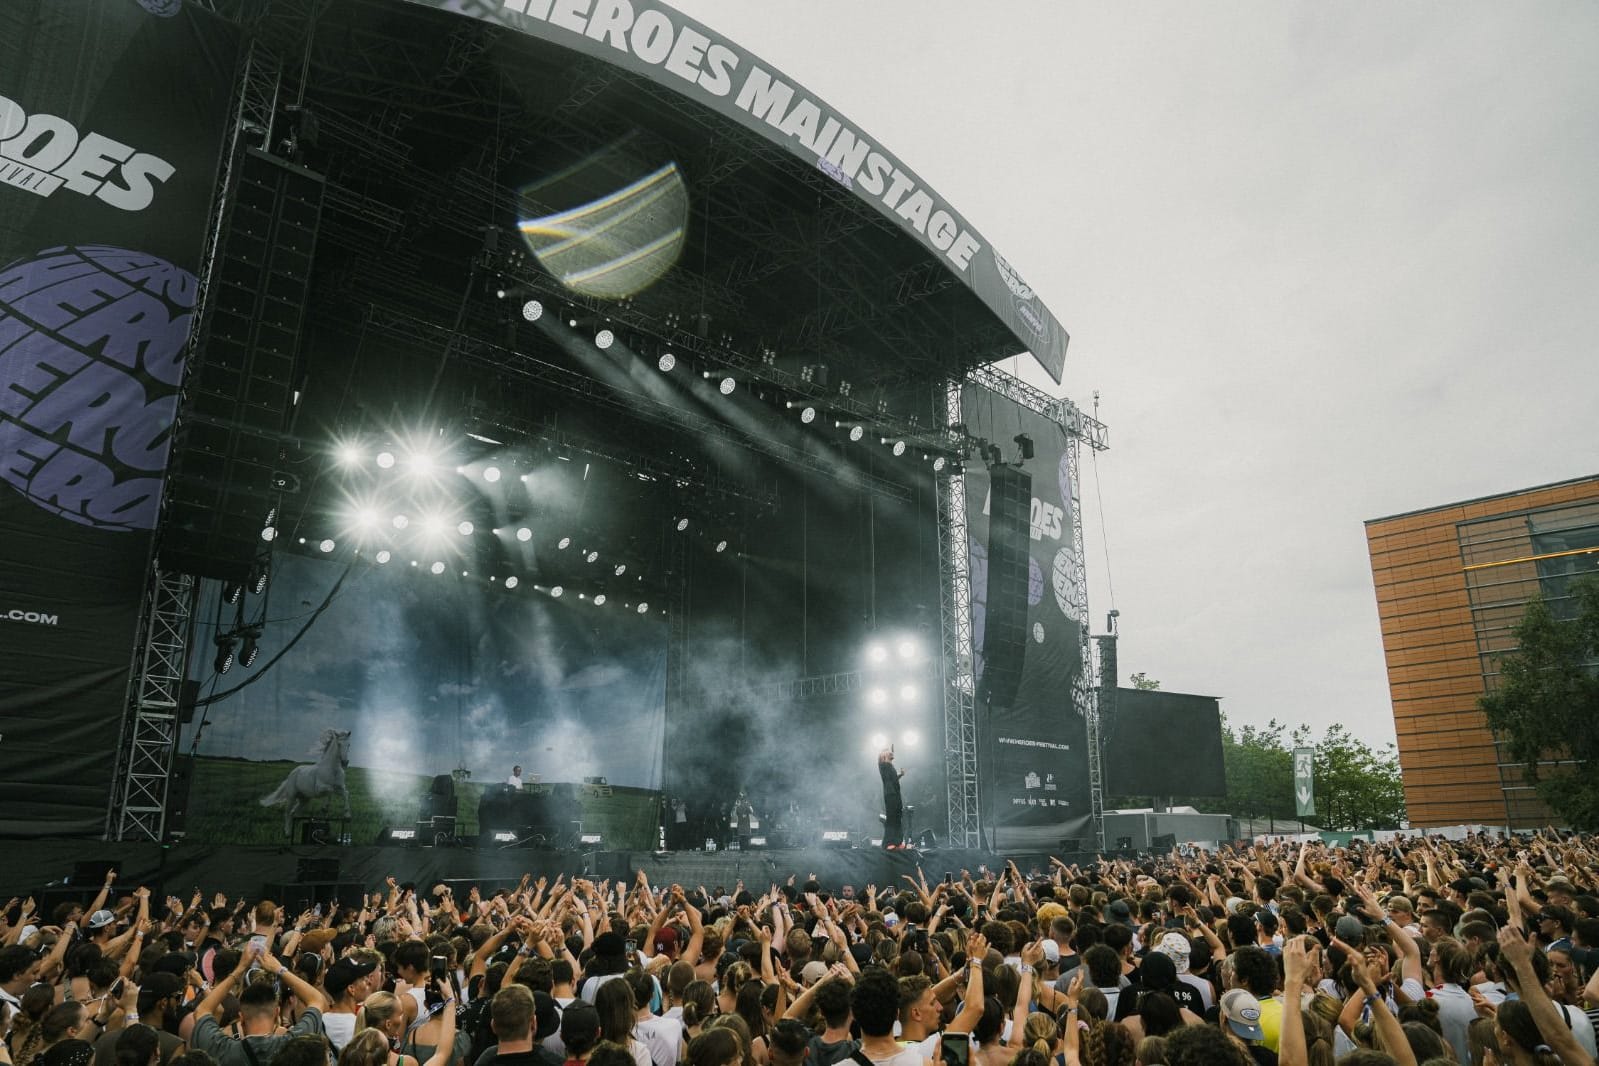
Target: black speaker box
1005	625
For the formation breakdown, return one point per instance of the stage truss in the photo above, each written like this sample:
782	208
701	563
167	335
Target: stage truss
955	610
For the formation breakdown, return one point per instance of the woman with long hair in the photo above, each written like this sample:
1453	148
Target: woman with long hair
380	1029
36	1001
1520	1041
735	1024
715	1047
748	1007
699	1007
60	1038
618	1013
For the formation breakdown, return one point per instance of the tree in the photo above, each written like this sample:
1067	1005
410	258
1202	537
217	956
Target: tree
1546	705
1143	682
1357	786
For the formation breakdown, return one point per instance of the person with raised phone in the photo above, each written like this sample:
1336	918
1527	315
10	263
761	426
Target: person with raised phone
259	1041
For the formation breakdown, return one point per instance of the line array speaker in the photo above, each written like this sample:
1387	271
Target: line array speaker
1005	625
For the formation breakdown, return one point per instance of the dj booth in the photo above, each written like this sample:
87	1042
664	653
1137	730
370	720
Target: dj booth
538	816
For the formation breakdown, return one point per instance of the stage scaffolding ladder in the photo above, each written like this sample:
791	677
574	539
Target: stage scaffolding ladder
958	684
150	730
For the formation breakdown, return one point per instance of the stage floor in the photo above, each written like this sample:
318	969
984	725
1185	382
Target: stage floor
247	869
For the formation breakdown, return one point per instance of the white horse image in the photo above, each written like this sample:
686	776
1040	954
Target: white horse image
323	778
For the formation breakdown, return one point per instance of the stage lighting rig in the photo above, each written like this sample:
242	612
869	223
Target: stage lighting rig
1024	446
225	649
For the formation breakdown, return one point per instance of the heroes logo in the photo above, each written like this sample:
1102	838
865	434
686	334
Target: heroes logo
40	153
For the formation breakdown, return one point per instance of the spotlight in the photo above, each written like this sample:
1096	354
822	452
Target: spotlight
911	738
465	529
400	521
682	524
499	293
326	546
591	556
899	447
877	653
556	591
879	741
524	534
604	339
433	526
262	574
808	415
908	693
385	459
938	464
877	697
269	534
621	568
491	474
384	556
224	658
232	593
347	455
727	386
908	649
643	608
437	568
512	582
599	601
250	649
721	546
1025	444
857	432
366	519
532	310
666	362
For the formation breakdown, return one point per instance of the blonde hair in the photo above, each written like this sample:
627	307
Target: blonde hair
1040	1033
378	1008
369	1047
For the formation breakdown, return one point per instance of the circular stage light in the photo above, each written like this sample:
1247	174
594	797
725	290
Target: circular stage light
599	601
437	568
857	432
420	464
533	310
938	464
621	568
877	697
347	455
666	362
400	521
808	415
591	556
385	459
682	524
269	534
524	534
721	546
899	447
604	339
465	529
556	591
877	653
643	608
879	741
512	581
384	556
908	649
908	693
911	738
326	546
491	474
727	386
563	544
433	526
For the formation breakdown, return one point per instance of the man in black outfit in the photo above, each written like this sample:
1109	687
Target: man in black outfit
893	810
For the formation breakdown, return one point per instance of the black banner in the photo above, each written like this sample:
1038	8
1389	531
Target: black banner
1189	728
1033	755
112	115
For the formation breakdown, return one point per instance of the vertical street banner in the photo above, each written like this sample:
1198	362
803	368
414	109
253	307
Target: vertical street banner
1033	755
1304	781
112	117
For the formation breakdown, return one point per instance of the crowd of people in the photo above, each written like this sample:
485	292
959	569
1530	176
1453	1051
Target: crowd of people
1421	952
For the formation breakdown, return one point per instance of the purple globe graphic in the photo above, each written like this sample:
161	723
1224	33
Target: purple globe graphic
92	342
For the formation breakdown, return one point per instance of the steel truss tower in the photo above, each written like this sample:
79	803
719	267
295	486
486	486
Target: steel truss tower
955	608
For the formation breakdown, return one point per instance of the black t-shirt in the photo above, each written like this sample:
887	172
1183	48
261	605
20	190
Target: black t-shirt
890	782
539	1056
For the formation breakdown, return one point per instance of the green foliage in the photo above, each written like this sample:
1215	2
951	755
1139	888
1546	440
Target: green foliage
1143	682
1546	705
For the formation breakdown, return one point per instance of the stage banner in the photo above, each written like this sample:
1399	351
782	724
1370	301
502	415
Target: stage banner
1033	756
112	117
373	681
665	46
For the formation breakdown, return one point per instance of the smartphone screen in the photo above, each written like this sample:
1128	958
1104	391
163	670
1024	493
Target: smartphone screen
632	949
439	965
957	1049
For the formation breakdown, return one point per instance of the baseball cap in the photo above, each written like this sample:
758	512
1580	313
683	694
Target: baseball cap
1051	951
1242	1014
1176	947
665	940
813	972
1119	910
1350	930
344	973
100	919
547	1016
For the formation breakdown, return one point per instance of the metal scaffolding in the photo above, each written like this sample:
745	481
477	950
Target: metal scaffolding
150	730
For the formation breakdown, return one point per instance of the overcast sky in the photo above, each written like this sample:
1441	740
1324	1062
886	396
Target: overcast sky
1322	262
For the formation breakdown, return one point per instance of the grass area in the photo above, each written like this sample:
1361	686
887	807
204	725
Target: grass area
224	805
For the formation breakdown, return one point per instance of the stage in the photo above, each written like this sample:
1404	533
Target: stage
252	871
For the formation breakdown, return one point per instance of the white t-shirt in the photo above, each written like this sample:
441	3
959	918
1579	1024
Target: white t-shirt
339	1027
664	1038
515	780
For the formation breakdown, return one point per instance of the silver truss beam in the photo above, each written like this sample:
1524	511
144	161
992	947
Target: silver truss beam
1060	410
151	730
958	684
1083	687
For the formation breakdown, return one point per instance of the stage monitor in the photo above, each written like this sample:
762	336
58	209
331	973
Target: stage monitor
1164	744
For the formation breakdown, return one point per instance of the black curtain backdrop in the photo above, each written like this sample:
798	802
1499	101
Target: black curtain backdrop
1033	757
1187	725
112	116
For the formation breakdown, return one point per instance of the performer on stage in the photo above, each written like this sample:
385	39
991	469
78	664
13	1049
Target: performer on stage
515	780
893	811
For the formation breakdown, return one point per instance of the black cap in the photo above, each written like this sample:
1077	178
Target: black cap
610	945
344	973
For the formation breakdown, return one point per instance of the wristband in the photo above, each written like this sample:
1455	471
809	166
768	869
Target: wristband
132	1016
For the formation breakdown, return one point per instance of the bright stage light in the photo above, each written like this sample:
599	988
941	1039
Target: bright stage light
604	339
938	464
599	601
666	362
908	649
437	568
877	697
899	447
419	464
491	474
721	546
682	524
908	693
910	738
621	568
808	415
857	432
643	608
591	556
433	526
533	310
524	534
511	582
556	591
385	459
326	546
347	454
563	544
877	653
727	386
465	529
269	534
383	557
400	521
879	741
